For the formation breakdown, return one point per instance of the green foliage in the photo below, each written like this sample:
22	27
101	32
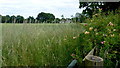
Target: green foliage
19	19
57	20
79	17
30	19
93	7
45	17
12	19
104	32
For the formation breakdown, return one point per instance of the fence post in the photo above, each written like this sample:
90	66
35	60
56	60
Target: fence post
91	60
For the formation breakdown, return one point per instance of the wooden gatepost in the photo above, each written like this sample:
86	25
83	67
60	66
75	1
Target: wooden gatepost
90	61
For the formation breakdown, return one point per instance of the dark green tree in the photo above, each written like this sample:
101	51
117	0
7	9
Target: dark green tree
45	17
31	19
93	7
57	20
3	19
7	19
19	19
12	19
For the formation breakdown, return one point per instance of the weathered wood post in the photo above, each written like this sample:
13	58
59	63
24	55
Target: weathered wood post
91	61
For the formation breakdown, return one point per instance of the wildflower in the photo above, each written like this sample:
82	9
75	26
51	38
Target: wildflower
86	32
95	29
85	24
96	33
102	42
96	14
114	29
110	24
72	55
104	35
74	37
112	35
90	28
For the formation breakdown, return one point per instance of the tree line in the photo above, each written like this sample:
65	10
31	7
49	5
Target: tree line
42	18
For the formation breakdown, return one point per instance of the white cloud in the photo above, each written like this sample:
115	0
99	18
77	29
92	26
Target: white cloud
33	7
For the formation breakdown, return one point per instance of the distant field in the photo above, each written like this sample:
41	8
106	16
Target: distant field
39	44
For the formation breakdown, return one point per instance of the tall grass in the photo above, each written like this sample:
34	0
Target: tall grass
39	44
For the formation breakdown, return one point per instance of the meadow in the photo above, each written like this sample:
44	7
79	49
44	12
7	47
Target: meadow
39	44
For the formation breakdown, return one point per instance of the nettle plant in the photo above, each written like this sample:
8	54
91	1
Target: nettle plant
102	31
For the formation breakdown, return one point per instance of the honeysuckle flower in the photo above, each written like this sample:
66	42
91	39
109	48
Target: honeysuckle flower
90	28
86	32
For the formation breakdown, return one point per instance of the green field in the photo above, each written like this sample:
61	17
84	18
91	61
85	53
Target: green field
39	44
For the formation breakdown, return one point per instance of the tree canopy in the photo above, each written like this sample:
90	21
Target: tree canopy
94	7
45	17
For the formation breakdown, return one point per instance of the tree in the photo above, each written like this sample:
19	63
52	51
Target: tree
80	17
62	16
93	7
7	19
31	19
19	19
12	19
45	17
57	20
3	19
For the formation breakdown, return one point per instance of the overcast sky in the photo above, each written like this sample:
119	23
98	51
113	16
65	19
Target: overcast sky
28	8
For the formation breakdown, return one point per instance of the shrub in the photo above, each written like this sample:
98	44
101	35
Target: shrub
102	31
